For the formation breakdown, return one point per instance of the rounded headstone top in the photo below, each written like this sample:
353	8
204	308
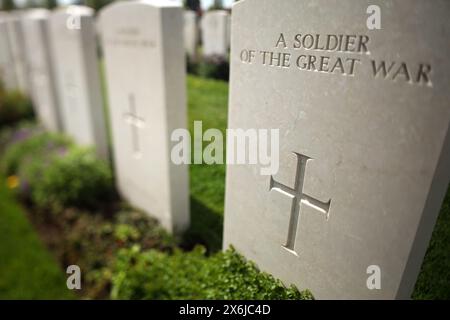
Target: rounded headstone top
217	12
160	3
154	3
16	14
75	10
36	14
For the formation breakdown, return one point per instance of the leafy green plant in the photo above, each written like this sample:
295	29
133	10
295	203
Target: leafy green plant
92	241
126	232
192	275
77	178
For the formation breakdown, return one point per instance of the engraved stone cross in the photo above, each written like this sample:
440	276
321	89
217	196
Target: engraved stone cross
298	198
136	123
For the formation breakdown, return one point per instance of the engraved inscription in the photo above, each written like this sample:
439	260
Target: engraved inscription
136	123
339	54
130	37
298	198
71	90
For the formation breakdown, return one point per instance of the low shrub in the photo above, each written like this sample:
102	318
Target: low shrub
215	67
75	178
191	65
179	275
30	142
92	241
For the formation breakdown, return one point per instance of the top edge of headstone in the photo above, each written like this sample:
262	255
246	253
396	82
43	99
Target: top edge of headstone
36	13
219	12
238	3
10	16
74	10
151	3
16	14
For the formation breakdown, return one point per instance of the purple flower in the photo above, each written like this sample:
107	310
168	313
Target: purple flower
62	151
21	134
24	187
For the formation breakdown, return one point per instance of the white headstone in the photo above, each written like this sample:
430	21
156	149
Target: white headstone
215	33
40	64
7	72
364	155
17	45
145	72
191	33
74	46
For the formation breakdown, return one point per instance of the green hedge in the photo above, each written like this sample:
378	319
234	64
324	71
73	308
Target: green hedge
193	275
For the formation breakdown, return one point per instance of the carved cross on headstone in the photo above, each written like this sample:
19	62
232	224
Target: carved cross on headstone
298	198
136	123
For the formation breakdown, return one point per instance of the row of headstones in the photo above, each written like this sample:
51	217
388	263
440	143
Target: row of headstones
213	30
54	54
363	122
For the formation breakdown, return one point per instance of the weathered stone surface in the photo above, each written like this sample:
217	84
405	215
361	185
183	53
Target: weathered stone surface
145	72
215	33
77	73
364	156
40	64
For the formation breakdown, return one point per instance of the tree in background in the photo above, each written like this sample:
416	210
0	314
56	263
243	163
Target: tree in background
97	4
192	5
8	5
218	5
50	4
31	4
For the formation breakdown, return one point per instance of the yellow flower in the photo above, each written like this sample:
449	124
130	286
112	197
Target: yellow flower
12	182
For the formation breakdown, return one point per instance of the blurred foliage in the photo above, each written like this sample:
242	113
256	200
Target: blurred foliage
54	173
217	5
74	178
7	5
192	275
14	107
29	142
97	4
192	5
50	4
214	67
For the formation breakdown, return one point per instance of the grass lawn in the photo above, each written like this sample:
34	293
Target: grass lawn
434	277
207	102
27	270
